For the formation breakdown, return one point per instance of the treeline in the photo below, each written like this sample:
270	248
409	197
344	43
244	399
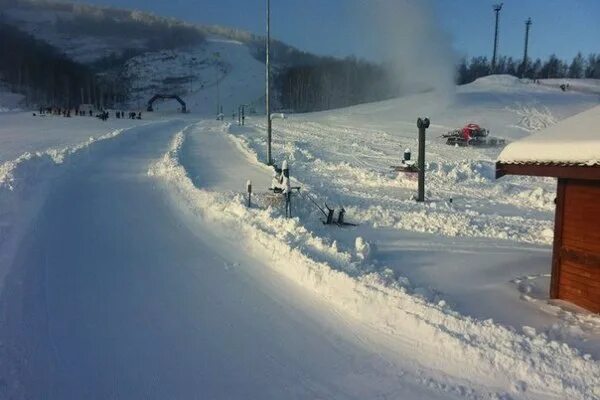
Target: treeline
157	35
45	76
332	83
553	67
155	31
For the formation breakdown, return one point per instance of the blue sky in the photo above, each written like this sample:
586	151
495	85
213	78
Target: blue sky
338	27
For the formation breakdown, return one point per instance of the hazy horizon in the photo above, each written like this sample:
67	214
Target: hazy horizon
345	28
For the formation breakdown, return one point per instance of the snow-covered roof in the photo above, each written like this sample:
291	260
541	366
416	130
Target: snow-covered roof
573	141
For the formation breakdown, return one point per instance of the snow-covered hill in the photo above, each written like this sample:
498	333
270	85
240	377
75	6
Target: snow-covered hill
9	101
42	24
216	68
219	71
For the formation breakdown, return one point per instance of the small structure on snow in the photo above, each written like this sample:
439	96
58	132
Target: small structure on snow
150	107
569	151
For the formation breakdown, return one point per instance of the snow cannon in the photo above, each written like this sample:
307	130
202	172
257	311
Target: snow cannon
285	169
249	191
407	165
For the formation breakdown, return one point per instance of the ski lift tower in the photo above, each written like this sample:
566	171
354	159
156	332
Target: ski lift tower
524	66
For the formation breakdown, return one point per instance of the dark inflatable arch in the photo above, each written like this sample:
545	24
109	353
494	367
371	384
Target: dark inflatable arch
166	96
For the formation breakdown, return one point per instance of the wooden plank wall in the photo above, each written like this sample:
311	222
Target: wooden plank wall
579	247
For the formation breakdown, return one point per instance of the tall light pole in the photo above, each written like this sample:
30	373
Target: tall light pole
192	65
524	67
217	56
268	83
497	8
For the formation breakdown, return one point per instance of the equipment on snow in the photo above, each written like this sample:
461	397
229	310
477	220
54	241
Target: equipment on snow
407	165
472	135
281	184
249	191
329	214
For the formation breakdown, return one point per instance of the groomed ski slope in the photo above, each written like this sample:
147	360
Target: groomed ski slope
116	291
135	270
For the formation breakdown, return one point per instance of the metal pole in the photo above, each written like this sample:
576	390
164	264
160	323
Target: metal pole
497	8
524	67
422	124
268	84
218	94
249	190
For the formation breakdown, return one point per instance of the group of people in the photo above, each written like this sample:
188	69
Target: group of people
65	112
102	114
130	115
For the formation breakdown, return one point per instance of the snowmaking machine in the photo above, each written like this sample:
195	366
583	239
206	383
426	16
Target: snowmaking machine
472	135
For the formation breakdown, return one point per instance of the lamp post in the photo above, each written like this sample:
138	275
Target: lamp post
422	124
217	56
192	64
268	84
497	8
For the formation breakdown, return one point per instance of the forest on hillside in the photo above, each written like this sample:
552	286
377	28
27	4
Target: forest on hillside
333	83
46	76
303	81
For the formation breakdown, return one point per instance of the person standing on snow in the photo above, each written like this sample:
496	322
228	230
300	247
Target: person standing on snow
286	188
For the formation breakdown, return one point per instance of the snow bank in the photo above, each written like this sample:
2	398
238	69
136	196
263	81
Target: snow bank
16	172
574	141
464	347
25	182
358	178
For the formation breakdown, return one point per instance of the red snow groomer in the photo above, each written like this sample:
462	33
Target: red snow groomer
472	135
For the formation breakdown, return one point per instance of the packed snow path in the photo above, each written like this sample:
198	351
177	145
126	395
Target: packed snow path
113	295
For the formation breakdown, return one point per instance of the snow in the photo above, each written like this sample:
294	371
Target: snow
471	349
580	85
42	24
573	141
132	267
218	69
176	312
9	101
22	133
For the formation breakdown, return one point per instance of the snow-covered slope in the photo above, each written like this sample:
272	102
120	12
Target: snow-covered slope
574	141
591	86
42	24
9	101
219	71
480	245
505	105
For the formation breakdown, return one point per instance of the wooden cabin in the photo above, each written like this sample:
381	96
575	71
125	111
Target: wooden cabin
569	151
